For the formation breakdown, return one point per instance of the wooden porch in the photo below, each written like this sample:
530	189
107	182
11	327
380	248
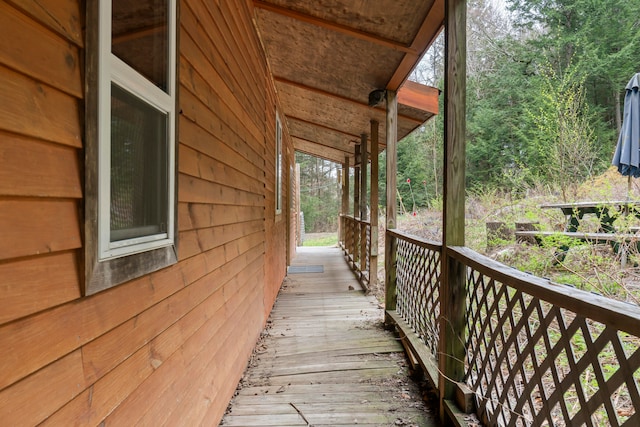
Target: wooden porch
325	358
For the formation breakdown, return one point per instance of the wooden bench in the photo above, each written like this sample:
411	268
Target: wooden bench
614	239
585	237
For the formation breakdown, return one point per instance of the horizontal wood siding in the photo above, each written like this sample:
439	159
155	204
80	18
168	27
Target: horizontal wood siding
167	348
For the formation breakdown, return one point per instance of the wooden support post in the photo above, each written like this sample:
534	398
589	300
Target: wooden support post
356	203
392	170
345	199
373	260
298	210
364	161
340	191
453	279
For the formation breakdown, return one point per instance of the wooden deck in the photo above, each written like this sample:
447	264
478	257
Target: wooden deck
325	359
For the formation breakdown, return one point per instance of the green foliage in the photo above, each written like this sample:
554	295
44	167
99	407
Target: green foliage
319	195
419	161
563	136
520	101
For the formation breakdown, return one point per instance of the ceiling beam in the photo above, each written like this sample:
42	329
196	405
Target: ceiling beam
333	26
419	96
352	101
427	33
346	149
312	148
350	135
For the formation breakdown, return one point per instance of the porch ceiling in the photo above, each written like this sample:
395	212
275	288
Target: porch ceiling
326	56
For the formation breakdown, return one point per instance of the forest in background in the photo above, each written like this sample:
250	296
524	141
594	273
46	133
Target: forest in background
545	85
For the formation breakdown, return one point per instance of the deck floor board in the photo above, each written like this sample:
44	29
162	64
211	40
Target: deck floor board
325	358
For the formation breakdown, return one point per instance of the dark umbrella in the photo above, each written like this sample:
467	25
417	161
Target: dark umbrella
627	155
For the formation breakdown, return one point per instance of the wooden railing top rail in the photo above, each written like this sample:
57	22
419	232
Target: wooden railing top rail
621	315
351	217
428	244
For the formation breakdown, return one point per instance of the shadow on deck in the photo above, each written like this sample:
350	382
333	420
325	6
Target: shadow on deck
325	358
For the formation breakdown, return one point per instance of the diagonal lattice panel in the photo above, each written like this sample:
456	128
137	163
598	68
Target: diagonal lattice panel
531	362
418	283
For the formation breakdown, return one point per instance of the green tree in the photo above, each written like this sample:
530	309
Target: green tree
563	134
319	193
600	39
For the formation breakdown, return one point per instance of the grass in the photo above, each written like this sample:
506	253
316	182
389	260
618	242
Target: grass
321	240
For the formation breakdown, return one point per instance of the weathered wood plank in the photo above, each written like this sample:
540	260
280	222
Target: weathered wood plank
336	362
361	417
107	393
203	215
38	340
111	349
244	99
28	47
59	382
30	108
209	238
222	102
32	227
201	166
193	357
207	141
62	16
313	409
212	35
211	121
33	284
230	356
38	169
189	245
197	190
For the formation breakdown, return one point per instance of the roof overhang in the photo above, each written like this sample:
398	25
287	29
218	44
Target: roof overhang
326	56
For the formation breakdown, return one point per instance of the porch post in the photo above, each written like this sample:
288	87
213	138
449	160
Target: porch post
453	279
364	257
390	244
345	199
373	260
297	196
356	203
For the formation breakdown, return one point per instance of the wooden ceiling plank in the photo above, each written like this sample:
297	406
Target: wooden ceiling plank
416	95
430	28
333	26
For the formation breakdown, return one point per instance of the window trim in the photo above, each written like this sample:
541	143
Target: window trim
279	166
106	264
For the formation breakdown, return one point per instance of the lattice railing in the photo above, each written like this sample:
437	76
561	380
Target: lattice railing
349	235
418	282
537	353
540	353
353	229
366	271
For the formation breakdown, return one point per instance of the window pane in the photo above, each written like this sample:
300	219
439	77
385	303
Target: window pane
139	167
140	37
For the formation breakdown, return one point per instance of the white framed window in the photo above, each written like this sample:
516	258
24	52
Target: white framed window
278	165
131	128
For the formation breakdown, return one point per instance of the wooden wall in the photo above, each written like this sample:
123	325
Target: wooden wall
167	348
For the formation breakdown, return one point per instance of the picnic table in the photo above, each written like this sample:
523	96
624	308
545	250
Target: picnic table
606	212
